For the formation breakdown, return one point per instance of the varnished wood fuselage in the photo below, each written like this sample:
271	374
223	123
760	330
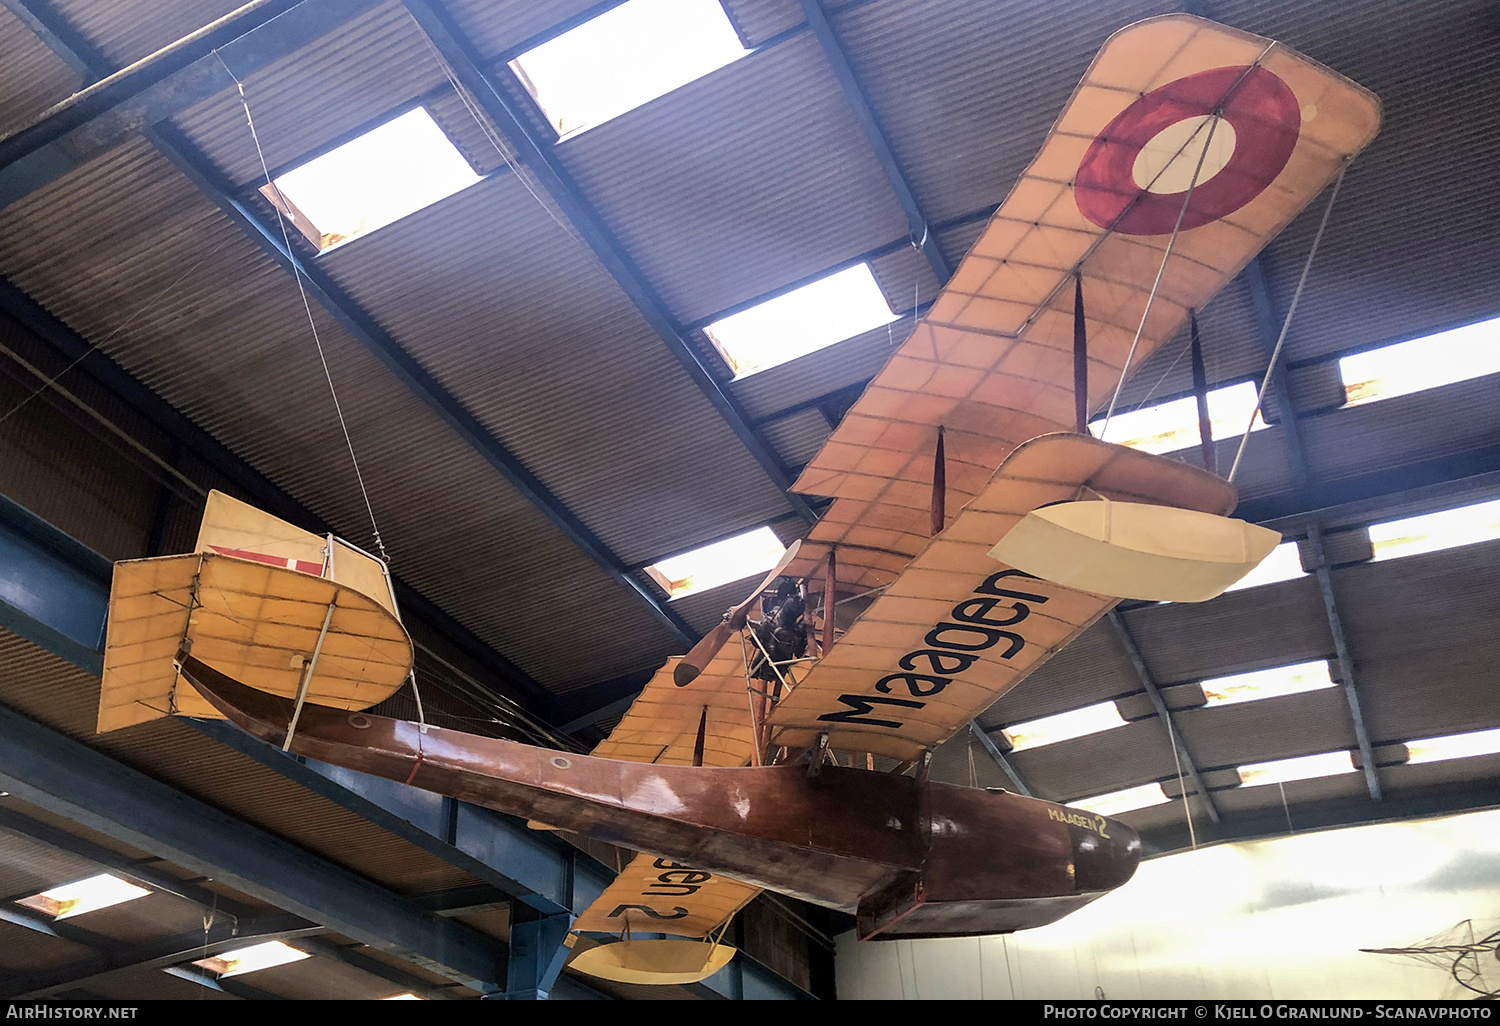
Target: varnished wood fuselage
912	859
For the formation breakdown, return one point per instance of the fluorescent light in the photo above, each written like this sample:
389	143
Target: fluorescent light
1454	746
369	182
1434	531
625	57
1422	363
408	996
733	559
1171	426
798	322
1273	683
1283	564
1116	802
82	896
1324	764
251	959
1063	726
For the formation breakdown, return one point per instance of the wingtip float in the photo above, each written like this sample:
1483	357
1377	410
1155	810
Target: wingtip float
1120	227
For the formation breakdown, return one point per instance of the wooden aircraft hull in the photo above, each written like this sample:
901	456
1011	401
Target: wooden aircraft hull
909	858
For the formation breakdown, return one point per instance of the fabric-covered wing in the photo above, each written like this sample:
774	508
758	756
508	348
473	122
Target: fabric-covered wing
992	361
957	630
658	895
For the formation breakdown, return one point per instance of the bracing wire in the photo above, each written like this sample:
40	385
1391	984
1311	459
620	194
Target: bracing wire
280	205
489	133
1167	256
1181	785
1286	324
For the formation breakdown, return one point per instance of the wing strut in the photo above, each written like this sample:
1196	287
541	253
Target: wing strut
1200	390
1080	358
939	487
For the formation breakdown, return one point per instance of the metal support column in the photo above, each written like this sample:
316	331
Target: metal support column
538	950
1133	652
993	749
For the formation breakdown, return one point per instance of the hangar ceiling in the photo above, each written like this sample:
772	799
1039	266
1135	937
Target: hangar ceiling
539	415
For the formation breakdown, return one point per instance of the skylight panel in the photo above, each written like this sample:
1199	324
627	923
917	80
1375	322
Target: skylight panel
733	559
1454	746
251	959
1048	730
1324	764
1432	532
1422	363
88	895
1173	425
1283	564
801	321
389	172
624	58
1129	800
1272	683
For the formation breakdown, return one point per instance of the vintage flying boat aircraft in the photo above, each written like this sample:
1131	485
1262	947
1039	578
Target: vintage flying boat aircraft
1185	148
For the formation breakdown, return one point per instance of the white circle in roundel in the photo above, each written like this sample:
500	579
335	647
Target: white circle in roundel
1166	163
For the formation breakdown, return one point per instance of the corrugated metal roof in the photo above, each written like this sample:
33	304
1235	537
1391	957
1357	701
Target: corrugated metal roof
522	326
32	78
747	179
127	30
498	27
759	20
221	334
1270	728
967	92
1096	763
360	71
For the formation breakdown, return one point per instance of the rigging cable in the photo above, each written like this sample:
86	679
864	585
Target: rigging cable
296	264
1156	285
1286	324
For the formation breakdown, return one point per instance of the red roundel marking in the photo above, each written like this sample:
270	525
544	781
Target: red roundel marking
1266	120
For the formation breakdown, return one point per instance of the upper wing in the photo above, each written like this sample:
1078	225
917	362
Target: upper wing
957	630
992	362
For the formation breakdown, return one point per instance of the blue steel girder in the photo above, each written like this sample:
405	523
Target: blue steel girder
538	950
922	235
86	787
538	155
1268	327
993	750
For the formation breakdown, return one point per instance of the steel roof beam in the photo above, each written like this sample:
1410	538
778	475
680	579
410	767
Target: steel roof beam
1000	760
212	902
1143	674
208	981
1268	327
559	186
177	148
119	103
86	787
113	959
854	91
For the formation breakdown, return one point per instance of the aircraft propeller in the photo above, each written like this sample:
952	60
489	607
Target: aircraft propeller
702	653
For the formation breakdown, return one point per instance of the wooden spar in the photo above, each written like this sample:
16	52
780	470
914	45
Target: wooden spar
830	584
939	486
1080	359
1200	391
702	733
